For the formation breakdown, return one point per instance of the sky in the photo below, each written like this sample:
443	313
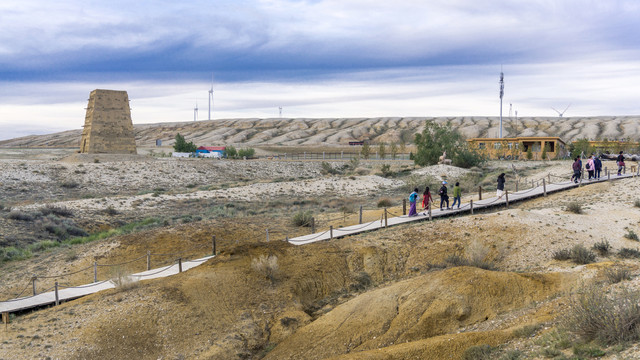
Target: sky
316	58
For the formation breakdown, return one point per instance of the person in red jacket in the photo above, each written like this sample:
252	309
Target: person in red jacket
426	199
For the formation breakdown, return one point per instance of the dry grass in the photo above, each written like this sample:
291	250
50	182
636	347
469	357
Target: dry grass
267	266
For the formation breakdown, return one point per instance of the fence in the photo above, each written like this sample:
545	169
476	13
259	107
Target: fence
335	156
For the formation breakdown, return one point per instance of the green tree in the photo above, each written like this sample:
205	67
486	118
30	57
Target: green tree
382	150
230	152
248	153
529	153
580	146
182	146
436	139
394	150
545	149
365	151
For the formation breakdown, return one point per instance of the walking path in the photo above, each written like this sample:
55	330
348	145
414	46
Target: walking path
72	292
477	205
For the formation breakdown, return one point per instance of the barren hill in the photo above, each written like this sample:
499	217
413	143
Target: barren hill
339	131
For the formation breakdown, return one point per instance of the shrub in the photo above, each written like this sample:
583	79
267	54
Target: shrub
56	210
230	152
69	184
608	318
602	247
631	235
582	255
615	275
574	207
561	255
302	218
110	210
436	139
122	279
386	170
627	253
21	216
266	266
636	203
384	203
181	145
246	153
328	169
526	331
479	352
588	351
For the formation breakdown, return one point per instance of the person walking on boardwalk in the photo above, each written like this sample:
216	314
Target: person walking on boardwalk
457	193
443	195
577	168
620	163
413	198
590	167
500	187
598	167
426	200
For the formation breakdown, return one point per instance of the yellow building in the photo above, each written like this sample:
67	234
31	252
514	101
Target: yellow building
517	147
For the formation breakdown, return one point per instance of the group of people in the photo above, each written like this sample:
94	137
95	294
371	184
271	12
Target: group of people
427	198
593	167
444	196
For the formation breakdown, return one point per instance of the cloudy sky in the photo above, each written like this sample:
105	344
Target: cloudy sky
315	58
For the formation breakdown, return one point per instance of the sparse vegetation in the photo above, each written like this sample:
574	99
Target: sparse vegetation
574	207
609	318
302	218
266	266
602	247
385	169
631	235
385	203
617	274
479	352
246	153
181	145
627	253
578	254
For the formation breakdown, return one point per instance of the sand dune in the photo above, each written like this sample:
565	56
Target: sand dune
339	131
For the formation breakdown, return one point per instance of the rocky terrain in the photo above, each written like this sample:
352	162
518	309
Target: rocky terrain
397	293
310	132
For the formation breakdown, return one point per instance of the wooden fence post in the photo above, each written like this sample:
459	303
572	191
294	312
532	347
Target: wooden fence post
33	279
549	179
517	181
331	231
385	217
5	320
213	243
404	206
430	211
360	214
179	264
479	192
267	235
471	206
95	271
609	175
544	187
56	291
506	197
313	225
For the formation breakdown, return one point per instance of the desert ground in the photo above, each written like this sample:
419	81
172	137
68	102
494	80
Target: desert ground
428	290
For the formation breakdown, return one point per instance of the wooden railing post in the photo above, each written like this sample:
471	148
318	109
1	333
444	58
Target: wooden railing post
471	206
213	243
404	206
56	291
267	235
360	214
385	217
33	280
179	264
506	197
331	231
430	211
313	225
544	187
479	192
95	271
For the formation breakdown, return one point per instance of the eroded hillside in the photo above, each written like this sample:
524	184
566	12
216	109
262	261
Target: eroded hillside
331	131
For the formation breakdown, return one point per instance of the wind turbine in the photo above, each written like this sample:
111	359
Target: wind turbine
560	114
195	111
211	97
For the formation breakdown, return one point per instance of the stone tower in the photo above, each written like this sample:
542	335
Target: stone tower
107	126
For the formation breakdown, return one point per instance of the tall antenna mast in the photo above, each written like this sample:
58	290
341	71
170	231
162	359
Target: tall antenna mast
211	97
501	95
195	111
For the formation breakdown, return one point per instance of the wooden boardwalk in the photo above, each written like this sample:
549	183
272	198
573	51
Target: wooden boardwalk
73	292
466	208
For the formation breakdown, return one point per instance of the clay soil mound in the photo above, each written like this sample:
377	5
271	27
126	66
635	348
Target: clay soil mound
414	311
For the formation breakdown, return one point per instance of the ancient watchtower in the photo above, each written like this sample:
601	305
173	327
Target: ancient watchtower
107	126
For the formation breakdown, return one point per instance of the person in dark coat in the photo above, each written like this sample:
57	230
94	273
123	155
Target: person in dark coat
500	187
598	166
577	169
443	195
620	162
